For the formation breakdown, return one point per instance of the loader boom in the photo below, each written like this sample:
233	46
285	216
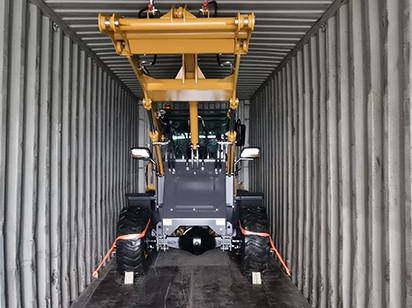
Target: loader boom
180	32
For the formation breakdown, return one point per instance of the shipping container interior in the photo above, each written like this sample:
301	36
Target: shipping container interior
325	91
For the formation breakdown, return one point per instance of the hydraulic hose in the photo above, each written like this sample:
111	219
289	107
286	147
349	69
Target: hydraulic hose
215	7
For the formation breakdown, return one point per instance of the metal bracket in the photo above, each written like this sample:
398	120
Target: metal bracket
161	143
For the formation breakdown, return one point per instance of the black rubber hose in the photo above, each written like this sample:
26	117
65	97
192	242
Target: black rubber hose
232	120
141	12
218	60
215	7
154	60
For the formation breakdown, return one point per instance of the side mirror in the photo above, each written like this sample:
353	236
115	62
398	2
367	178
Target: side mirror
249	153
141	153
240	134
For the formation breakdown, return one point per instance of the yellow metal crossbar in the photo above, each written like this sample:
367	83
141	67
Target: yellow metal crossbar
178	32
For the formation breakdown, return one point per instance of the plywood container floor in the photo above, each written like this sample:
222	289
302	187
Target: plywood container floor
177	278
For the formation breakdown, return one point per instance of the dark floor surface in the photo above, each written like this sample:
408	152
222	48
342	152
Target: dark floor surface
177	278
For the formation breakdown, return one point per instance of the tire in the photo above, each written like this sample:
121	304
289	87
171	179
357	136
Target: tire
255	249
131	254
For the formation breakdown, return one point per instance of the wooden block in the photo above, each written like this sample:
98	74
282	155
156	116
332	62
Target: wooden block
128	277
256	278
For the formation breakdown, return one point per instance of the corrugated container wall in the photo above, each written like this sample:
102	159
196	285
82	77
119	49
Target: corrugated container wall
66	128
336	163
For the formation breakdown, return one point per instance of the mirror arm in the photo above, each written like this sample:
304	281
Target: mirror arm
242	159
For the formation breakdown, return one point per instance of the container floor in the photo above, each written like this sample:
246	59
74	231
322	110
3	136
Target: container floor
179	279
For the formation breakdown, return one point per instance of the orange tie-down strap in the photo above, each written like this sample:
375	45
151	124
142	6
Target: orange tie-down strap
113	248
273	248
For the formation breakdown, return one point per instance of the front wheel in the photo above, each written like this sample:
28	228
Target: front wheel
255	249
131	254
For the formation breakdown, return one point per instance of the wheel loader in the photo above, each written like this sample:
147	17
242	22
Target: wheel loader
192	201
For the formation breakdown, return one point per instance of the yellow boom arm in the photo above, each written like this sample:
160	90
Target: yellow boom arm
180	32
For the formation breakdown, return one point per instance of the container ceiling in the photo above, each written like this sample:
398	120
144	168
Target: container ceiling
280	25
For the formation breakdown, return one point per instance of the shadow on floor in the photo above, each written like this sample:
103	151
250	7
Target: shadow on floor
177	279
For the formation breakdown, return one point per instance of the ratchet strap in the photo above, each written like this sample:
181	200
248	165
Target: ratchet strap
113	248
273	248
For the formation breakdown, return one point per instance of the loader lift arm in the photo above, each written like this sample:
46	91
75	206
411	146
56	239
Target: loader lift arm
180	32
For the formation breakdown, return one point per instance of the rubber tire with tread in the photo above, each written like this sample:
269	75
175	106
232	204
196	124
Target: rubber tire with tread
130	254
255	249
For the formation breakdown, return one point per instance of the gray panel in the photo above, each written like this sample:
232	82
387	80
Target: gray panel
194	195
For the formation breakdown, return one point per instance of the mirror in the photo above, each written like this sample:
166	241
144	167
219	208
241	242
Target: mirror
141	153
250	153
240	133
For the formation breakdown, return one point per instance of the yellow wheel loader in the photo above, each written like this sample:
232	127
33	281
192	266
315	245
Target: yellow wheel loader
192	201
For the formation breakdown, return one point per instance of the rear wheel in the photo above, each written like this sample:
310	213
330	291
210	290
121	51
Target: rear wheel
131	254
255	249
